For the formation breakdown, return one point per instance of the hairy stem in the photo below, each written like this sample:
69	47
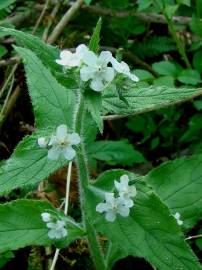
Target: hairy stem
94	245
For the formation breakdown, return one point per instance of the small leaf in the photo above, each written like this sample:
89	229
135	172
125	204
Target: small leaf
166	68
88	2
197	61
94	106
115	152
168	81
21	225
95	39
170	10
189	76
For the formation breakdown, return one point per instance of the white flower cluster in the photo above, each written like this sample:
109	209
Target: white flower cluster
95	68
118	205
57	227
177	216
60	143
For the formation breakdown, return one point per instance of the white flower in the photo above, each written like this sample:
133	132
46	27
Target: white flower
96	69
42	142
177	216
46	217
69	59
124	69
57	230
125	191
112	207
62	142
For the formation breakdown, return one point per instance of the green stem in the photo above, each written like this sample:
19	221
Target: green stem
94	245
178	42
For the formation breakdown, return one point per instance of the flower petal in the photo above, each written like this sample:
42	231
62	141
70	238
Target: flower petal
97	84
54	153
124	180
90	59
74	138
105	57
108	75
101	207
81	50
132	77
61	132
86	73
132	191
123	211
110	216
52	234
69	153
46	217
109	197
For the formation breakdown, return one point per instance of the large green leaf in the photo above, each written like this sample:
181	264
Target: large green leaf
27	166
150	231
21	225
178	183
140	100
53	103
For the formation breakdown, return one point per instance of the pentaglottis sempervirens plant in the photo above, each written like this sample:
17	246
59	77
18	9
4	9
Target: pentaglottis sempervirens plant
142	216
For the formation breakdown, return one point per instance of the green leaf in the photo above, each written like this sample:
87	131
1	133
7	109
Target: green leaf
196	26
6	257
197	61
88	2
146	99
53	103
6	3
178	183
168	81
21	225
170	10
95	39
144	4
28	165
115	152
149	231
94	106
143	74
3	50
189	76
166	68
184	2
198	104
46	53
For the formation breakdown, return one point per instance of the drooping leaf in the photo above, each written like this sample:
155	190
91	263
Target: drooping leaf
46	53
95	39
27	166
146	99
53	103
178	183
149	231
21	225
